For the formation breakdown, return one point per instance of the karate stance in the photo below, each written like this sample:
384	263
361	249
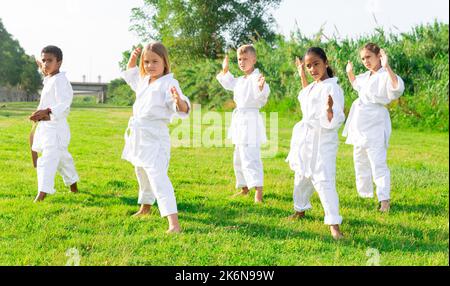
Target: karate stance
52	135
147	141
368	127
247	130
314	141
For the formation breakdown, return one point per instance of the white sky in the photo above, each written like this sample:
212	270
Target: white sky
94	33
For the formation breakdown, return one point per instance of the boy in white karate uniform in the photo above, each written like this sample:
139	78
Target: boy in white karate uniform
147	140
315	140
52	135
247	130
368	127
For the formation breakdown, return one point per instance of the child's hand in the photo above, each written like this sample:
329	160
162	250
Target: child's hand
175	95
261	82
34	117
39	63
384	58
134	57
40	115
182	105
330	104
300	66
349	68
45	117
226	65
40	66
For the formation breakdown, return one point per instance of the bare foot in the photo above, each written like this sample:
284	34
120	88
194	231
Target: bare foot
296	216
173	230
174	225
385	206
259	195
244	192
74	188
40	197
335	232
143	211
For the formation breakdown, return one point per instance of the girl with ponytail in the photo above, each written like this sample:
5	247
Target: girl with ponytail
315	140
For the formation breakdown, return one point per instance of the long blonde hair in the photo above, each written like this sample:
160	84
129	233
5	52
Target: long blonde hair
159	49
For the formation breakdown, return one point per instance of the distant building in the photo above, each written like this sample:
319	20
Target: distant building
8	94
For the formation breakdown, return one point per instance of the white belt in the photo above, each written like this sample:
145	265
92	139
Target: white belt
237	110
311	124
136	125
136	122
307	168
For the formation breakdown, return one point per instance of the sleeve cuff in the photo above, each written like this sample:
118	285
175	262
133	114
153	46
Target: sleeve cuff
400	85
395	93
174	108
129	74
224	77
56	113
184	114
328	124
355	85
336	121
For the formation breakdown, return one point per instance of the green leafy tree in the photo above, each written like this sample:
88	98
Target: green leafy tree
16	68
205	28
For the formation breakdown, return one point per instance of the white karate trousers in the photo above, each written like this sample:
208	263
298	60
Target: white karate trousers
248	166
371	166
304	189
155	186
51	161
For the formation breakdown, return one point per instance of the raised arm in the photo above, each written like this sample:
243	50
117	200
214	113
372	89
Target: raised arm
226	65
392	76
132	62
350	73
40	115
40	66
131	75
225	78
301	70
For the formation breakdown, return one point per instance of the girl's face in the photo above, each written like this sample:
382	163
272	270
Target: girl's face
247	62
50	64
370	60
153	64
316	67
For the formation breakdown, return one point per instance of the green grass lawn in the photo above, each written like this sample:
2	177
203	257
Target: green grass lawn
217	229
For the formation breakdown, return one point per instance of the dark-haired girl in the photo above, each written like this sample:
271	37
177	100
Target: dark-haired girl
314	141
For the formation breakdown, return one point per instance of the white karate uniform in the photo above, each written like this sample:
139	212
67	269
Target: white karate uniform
314	147
52	137
147	139
247	130
368	128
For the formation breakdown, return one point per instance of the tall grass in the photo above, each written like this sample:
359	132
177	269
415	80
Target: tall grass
420	57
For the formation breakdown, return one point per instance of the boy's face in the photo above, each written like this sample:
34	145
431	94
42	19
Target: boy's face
370	60
153	64
316	66
247	62
50	64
